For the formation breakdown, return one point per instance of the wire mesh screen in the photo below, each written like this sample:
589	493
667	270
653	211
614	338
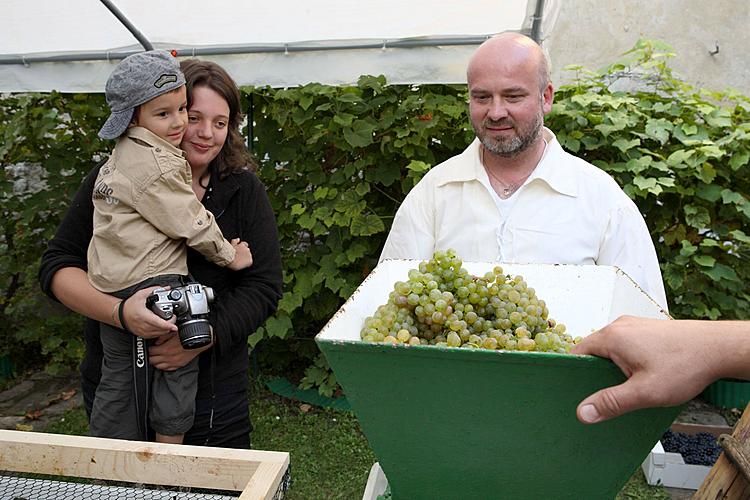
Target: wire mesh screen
21	488
13	487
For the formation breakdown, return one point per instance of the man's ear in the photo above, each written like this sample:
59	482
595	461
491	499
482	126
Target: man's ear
547	98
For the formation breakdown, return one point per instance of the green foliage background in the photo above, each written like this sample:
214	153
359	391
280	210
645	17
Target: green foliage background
337	161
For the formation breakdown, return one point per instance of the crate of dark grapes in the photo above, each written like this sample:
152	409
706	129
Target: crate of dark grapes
460	378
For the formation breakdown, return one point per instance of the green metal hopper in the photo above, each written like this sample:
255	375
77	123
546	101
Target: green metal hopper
469	423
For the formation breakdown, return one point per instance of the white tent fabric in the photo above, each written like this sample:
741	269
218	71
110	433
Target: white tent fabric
281	43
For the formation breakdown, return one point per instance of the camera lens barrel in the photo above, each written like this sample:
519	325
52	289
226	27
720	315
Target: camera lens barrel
194	333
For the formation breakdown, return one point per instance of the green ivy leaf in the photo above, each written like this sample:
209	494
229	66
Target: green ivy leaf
645	184
659	129
711	151
306	101
721	272
290	301
739	159
343	119
709	192
704	260
707	173
689	128
719	118
349	203
366	225
680	157
708	242
625	145
687	249
360	134
697	217
362	188
349	98
306	221
278	326
729	196
417	166
740	236
666	181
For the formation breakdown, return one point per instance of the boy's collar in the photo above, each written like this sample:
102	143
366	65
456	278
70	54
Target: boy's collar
151	139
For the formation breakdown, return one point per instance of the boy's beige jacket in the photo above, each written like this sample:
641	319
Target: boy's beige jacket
145	213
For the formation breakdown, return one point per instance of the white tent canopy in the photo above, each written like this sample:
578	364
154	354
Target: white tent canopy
73	45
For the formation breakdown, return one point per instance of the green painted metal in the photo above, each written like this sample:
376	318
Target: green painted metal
449	423
728	393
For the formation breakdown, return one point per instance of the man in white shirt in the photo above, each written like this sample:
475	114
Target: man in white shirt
514	195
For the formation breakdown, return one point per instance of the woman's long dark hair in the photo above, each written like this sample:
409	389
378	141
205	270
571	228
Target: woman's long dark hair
234	156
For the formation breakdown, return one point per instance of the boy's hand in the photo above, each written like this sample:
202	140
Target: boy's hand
242	258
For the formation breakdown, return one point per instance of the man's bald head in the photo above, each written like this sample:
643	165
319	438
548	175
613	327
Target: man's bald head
512	49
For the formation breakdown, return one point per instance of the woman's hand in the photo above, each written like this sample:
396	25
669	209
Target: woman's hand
141	321
167	353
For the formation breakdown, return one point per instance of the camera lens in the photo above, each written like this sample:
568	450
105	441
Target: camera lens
195	333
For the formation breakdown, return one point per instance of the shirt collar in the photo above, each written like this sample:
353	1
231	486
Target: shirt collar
552	170
549	170
149	138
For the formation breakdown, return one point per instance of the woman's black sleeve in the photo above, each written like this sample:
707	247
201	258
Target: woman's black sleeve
255	292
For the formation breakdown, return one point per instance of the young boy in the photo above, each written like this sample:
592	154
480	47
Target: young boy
144	213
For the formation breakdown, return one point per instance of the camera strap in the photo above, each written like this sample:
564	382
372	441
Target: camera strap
141	384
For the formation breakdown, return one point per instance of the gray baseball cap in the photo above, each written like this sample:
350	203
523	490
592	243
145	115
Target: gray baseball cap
136	80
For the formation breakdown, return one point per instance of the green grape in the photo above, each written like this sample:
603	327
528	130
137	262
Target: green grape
490	343
464	335
403	336
453	340
442	304
522	332
526	344
402	288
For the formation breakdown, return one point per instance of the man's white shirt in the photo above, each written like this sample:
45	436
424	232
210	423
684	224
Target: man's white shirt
567	212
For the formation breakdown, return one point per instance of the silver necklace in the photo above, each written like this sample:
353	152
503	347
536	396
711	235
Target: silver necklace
507	189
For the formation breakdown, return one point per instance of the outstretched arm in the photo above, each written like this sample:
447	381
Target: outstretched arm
666	362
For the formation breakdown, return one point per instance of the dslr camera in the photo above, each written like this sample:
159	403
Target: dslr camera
189	303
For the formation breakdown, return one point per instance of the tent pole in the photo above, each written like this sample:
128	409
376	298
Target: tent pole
275	48
125	22
536	24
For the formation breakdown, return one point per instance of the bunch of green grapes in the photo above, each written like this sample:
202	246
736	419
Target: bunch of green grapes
442	304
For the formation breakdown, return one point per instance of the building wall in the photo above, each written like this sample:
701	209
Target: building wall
594	33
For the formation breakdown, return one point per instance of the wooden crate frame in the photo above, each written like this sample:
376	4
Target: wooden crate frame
257	474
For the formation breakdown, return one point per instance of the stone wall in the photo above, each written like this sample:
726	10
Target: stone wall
594	33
